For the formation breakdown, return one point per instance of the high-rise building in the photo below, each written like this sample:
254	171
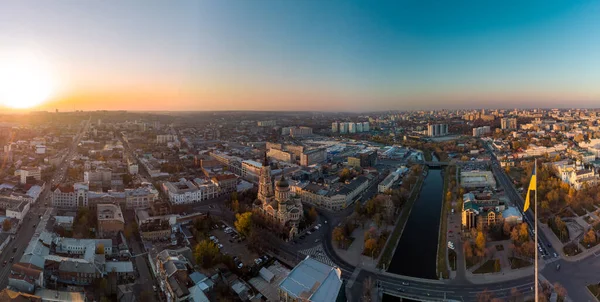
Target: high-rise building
359	127
334	127
343	128
365	126
437	130
480	131
351	127
508	123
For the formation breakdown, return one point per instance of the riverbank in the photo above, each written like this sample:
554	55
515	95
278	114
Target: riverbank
392	243
442	251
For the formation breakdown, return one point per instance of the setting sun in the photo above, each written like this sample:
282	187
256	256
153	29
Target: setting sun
25	81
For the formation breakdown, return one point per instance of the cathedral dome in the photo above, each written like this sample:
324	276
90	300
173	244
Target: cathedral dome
282	183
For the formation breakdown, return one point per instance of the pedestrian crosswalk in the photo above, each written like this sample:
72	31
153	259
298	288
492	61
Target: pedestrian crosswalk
318	253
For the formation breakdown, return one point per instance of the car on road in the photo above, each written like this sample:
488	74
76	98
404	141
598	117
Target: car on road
405	283
12	259
400	289
317	240
4	263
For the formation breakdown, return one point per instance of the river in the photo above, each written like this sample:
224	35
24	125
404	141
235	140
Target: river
416	252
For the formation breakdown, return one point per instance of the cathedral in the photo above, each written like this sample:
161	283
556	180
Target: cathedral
278	204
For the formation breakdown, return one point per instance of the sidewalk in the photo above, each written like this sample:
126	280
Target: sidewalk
353	255
558	246
502	276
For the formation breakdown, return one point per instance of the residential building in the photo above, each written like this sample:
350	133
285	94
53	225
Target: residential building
344	128
25	277
172	270
25	172
271	123
335	127
482	211
226	183
251	170
314	156
365	126
300	131
508	123
312	281
99	177
434	130
140	198
281	155
351	127
110	220
321	196
186	192
165	138
481	131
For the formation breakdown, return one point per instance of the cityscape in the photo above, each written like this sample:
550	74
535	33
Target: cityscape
197	151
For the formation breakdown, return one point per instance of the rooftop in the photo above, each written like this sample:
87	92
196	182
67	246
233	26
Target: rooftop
313	280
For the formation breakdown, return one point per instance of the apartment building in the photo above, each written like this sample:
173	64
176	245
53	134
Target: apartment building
110	220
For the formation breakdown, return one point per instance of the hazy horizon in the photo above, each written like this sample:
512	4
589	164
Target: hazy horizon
355	56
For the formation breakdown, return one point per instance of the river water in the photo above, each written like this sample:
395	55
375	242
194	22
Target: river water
416	252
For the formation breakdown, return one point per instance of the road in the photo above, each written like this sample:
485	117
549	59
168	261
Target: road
32	218
548	250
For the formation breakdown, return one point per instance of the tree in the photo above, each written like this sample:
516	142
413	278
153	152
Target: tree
131	229
480	241
560	290
590	237
468	249
235	206
523	232
448	196
338	235
497	266
206	253
243	223
6	225
370	245
312	215
506	228
127	179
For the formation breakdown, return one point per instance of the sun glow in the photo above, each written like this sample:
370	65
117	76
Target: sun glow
25	80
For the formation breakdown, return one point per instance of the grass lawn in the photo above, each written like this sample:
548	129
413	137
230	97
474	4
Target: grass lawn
518	263
571	249
488	267
594	289
452	258
386	257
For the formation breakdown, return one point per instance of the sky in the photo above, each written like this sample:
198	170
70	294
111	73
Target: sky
309	54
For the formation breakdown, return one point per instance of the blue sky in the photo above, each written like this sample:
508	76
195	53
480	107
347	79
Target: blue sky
312	55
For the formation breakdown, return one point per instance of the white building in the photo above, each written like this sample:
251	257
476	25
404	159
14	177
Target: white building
70	197
351	127
140	198
365	126
186	191
344	128
300	131
334	127
24	172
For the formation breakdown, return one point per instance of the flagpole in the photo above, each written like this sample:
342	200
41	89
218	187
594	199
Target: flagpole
535	234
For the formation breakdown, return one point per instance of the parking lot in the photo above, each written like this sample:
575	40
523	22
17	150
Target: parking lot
234	247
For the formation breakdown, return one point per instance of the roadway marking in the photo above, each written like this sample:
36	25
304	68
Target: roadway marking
524	286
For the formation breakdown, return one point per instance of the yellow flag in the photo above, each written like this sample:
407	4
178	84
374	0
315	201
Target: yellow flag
532	187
